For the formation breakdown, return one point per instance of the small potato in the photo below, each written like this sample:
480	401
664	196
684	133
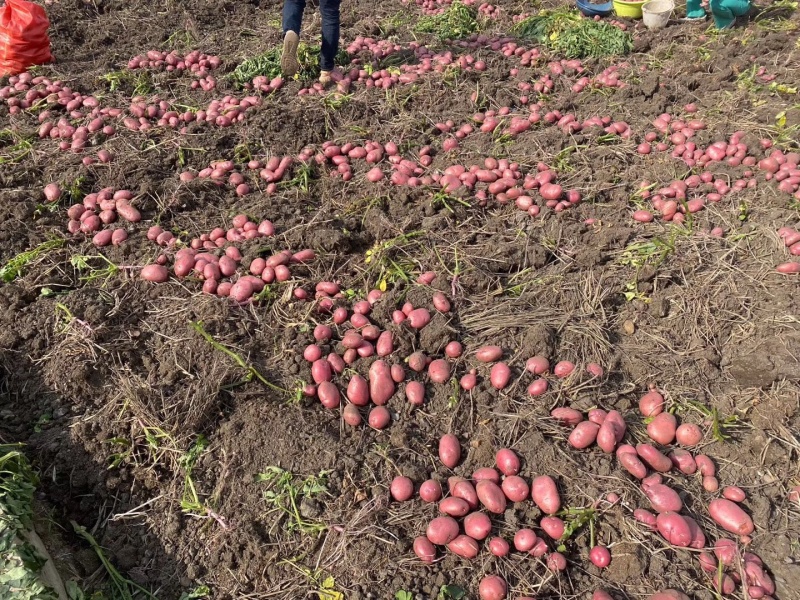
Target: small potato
461	488
653	458
464	546
645	517
601	595
556	562
600	557
477	525
707	562
552	526
440	302
417	361
468	382
487	354
381	384
597	415
128	212
491	496
351	416
499	547
515	488
358	390
538	387
688	434
730	516
524	540
352	340
663	498
567	416
430	491
424	549
710	484
563	369
662	428
337	363
651	404
507	462
674	528
493	587
449	451
611	432
398	373
322	333
328	395
442	530
453	350
486	473
683	461
537	365
385	344
698	537
419	318
705	465
455	507
584	435
500	375
415	393
155	273
379	417
734	494
631	463
402	488
726	551
321	371
439	371
312	353
545	494
669	595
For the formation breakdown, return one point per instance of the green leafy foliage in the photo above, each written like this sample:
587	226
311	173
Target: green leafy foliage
15	267
568	34
455	22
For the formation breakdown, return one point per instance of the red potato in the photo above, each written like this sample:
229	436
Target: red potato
311	353
645	517
486	473
597	415
584	435
352	340
464	489
417	361
453	350
499	547
600	557
707	562
337	363
358	391
477	525
439	370
155	273
128	212
651	404
424	549
734	494
493	587
674	529
415	393
379	417
611	432
567	416
487	354
653	479
402	489
524	540
538	387
662	428
730	516
455	507
710	484
491	496
500	375
630	462
537	365
381	384
430	491
507	462
705	465
351	416
688	434
52	192
449	451
663	498
552	526
515	488
464	546
601	595
328	395
698	537
397	373
726	551
594	370
545	494
320	369
653	458
683	461
556	561
563	369
669	594
442	530
440	302
419	318
385	344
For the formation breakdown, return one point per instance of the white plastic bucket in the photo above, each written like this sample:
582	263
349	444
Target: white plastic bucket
656	13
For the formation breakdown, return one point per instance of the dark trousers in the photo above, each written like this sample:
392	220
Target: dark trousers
329	9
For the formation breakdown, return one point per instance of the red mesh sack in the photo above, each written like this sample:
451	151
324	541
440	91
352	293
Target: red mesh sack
23	37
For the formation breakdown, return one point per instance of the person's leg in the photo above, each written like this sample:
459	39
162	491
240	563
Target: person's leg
292	22
329	9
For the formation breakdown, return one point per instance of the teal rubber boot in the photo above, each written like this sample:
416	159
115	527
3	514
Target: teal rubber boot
725	12
694	10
